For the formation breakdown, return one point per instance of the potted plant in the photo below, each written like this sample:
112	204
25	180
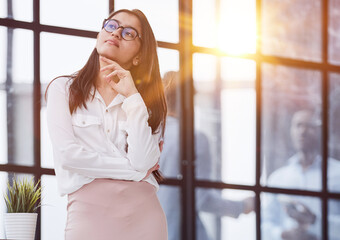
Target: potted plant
23	198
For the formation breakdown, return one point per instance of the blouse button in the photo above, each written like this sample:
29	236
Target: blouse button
108	130
84	122
107	110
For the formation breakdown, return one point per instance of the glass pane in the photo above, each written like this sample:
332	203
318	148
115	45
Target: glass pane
334	32
3	209
204	28
17	54
291	128
207	117
46	145
170	199
170	157
162	16
204	71
53	210
3	128
236	38
3	54
224	110
334	133
22	56
333	219
3	10
292	29
77	14
168	60
21	10
225	214
19	111
284	216
62	55
238	118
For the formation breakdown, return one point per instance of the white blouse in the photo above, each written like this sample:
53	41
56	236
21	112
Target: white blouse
101	141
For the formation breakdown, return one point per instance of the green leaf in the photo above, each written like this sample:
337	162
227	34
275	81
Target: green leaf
23	196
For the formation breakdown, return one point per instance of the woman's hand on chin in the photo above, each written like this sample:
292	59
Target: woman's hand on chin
119	78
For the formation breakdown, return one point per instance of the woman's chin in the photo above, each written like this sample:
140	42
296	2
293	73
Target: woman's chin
108	56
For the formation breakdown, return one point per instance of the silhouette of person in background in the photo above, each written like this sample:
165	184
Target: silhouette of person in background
299	217
207	200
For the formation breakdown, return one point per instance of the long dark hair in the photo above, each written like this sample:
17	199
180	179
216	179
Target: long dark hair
146	76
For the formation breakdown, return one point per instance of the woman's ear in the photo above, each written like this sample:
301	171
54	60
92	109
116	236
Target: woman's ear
136	60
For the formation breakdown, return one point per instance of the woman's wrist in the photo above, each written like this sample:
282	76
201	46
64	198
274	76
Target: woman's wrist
131	93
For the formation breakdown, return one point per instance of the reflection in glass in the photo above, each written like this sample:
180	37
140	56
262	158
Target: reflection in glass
77	14
168	60
62	55
162	16
224	111
292	29
334	32
291	128
334	133
46	145
170	199
207	117
53	210
285	216
238	120
221	214
333	219
170	157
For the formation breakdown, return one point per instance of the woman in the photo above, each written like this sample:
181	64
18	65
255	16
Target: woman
106	123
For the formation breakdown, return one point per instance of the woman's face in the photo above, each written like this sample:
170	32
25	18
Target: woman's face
113	46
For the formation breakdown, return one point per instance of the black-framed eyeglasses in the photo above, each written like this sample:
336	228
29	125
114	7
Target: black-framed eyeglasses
128	33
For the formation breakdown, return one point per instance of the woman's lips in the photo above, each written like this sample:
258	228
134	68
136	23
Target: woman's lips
112	42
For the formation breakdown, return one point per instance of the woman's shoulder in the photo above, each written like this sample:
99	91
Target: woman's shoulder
61	83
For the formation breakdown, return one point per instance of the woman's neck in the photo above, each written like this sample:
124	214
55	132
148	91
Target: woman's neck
100	82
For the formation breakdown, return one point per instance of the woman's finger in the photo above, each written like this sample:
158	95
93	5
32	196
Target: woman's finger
111	66
112	83
111	62
114	73
105	59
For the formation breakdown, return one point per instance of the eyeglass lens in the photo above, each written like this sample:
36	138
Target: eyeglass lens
127	32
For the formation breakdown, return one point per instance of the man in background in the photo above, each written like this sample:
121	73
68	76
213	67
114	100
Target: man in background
293	217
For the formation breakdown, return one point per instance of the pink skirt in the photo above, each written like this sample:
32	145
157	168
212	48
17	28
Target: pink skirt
108	209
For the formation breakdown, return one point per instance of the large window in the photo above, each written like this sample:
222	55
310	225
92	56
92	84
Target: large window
253	122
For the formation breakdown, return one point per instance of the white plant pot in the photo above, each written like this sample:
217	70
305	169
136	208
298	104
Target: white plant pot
20	225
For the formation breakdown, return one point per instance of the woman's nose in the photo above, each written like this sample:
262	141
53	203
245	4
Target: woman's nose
117	33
